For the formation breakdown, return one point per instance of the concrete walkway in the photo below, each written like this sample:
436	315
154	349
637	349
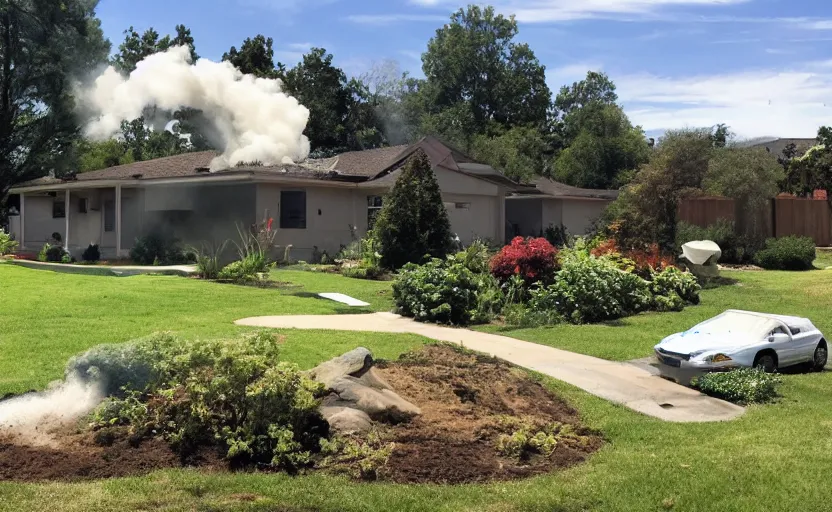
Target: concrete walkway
105	270
622	383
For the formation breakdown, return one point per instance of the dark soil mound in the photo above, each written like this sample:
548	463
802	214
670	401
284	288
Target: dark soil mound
80	458
465	400
467	403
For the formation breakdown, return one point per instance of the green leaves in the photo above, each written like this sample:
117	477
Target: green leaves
745	386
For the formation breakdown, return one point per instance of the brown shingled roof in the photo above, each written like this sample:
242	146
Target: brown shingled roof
556	189
175	166
368	162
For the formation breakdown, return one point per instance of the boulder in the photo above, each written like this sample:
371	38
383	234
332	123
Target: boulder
356	361
380	404
345	420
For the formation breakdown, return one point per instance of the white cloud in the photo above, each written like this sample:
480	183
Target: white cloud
569	74
538	11
754	103
389	19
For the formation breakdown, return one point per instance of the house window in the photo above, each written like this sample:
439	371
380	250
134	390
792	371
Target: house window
374	204
83	205
463	206
109	216
58	209
292	209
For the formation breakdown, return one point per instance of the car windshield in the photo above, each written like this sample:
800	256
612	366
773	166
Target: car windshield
737	322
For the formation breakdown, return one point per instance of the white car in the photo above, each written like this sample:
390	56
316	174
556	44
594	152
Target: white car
742	339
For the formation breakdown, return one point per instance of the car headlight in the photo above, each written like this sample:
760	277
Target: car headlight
718	358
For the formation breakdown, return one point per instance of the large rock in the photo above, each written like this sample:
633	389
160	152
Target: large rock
346	420
356	361
380	404
359	394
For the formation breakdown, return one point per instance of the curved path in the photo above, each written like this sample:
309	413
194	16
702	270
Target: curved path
621	383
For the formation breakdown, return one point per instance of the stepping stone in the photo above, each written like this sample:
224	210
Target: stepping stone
344	299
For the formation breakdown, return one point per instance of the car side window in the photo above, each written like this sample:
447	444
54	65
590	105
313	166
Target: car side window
779	330
795	330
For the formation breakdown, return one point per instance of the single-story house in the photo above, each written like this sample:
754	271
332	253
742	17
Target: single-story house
530	212
320	203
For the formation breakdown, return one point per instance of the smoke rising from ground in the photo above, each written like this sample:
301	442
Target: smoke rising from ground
256	120
31	417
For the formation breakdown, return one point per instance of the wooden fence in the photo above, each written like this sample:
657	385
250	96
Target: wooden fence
784	216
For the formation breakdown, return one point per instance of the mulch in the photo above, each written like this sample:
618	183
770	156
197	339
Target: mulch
465	400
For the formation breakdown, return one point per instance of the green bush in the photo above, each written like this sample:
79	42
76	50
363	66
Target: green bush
413	222
91	254
235	394
736	249
441	291
362	272
53	254
672	289
744	386
529	317
589	289
246	270
208	258
159	249
7	243
788	253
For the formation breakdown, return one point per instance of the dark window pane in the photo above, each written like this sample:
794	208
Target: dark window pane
58	210
292	209
109	216
374	204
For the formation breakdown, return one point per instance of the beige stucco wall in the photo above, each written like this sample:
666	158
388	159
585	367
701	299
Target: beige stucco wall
330	211
579	215
39	224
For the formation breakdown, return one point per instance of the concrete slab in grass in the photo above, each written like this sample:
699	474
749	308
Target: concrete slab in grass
103	270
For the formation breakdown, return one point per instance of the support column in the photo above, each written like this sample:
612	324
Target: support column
22	221
118	221
67	209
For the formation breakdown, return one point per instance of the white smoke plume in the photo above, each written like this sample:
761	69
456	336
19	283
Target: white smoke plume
31	417
256	119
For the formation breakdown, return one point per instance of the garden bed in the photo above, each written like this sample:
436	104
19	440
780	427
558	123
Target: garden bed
468	403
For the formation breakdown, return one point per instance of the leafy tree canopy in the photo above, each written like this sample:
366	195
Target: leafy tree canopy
38	126
136	47
255	57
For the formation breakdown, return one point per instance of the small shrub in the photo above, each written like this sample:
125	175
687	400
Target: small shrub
361	458
476	257
234	394
641	261
672	289
788	253
247	270
558	236
53	254
91	254
529	317
361	272
528	440
159	249
7	243
208	258
441	291
736	249
743	386
535	260
589	289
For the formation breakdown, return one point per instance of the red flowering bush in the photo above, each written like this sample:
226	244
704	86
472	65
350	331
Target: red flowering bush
641	261
533	259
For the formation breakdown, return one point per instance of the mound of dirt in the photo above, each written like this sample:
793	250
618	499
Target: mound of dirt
465	401
79	457
468	402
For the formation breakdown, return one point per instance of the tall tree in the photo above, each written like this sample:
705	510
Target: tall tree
596	88
605	148
255	57
413	222
323	89
646	210
475	61
37	120
136	47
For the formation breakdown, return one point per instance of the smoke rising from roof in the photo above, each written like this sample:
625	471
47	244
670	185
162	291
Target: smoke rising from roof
256	120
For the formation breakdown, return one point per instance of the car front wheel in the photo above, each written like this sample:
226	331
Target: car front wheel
821	357
766	362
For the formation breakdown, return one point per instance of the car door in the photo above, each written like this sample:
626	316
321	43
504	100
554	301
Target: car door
781	341
804	343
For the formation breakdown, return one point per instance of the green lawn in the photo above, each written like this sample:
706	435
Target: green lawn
776	457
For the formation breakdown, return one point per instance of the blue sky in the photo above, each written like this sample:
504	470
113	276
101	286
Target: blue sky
762	66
